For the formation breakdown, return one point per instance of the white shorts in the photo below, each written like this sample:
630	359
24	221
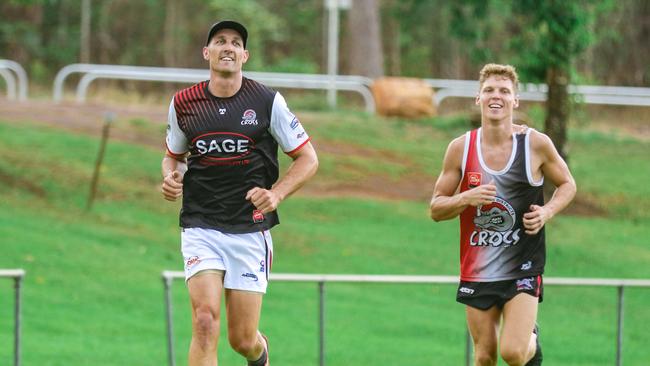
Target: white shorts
245	258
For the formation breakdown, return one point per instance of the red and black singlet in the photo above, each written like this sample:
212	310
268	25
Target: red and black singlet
493	244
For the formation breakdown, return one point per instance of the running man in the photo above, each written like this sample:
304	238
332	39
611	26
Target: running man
222	145
492	177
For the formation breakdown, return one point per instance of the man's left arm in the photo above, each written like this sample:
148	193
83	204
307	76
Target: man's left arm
303	167
555	169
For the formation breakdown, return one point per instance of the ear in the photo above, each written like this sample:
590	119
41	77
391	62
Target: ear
515	103
206	54
478	98
246	56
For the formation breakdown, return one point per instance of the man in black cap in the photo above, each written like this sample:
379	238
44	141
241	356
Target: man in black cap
222	141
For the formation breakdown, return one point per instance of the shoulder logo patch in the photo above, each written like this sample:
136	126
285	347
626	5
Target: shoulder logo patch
294	123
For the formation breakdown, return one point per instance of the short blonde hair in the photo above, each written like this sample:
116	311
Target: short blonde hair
507	71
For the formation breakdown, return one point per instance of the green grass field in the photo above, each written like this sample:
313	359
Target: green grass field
93	293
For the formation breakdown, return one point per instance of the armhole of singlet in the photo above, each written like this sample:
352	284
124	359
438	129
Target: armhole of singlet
529	172
465	153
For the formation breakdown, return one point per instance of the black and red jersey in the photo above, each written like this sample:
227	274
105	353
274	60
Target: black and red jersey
233	145
493	244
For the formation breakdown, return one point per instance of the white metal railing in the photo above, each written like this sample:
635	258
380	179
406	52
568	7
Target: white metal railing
591	94
5	67
92	72
17	275
321	279
445	88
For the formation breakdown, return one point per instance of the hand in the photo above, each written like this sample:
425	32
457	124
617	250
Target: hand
481	195
535	219
264	200
172	186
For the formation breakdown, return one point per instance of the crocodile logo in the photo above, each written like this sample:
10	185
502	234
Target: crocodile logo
497	216
494	224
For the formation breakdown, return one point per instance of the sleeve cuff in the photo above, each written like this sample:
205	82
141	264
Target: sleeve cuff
298	148
175	155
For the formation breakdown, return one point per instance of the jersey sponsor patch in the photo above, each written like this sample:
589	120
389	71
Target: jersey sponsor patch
223	145
258	216
473	179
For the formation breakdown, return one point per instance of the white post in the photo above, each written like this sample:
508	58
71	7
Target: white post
332	49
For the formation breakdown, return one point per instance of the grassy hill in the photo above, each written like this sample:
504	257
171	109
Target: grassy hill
93	293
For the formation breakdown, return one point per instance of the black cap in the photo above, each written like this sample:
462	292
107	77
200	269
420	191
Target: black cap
228	24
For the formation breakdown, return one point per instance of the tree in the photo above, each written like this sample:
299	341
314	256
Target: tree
553	33
366	56
545	37
621	55
260	21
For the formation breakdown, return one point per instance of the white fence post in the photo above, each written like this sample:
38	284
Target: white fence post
17	275
21	75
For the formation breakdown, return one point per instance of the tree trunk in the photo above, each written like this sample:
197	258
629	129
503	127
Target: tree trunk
392	33
104	35
50	24
557	108
557	115
84	42
364	35
169	38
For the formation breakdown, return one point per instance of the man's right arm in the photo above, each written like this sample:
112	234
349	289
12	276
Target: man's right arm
173	169
447	202
174	165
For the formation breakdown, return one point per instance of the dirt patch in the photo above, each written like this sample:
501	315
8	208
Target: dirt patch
87	118
8	180
411	187
584	205
342	149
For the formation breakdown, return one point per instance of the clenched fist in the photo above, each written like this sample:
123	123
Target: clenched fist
172	186
535	219
264	200
481	195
